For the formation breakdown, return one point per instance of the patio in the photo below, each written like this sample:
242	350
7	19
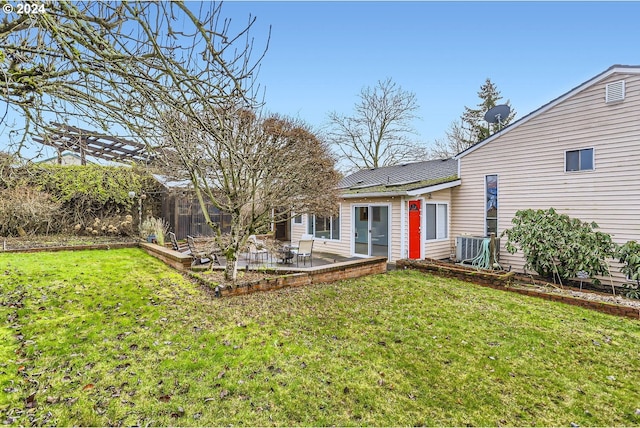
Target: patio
267	274
263	252
273	261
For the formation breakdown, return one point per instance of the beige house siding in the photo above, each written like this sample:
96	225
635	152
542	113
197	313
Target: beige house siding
440	248
398	221
339	246
530	163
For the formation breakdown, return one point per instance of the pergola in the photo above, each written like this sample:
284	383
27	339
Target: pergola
90	143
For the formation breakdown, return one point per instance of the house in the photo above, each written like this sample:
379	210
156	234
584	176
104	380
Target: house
579	154
66	158
397	212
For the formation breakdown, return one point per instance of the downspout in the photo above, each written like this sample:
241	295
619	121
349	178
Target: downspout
403	228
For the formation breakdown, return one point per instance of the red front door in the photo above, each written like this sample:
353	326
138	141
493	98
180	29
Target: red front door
414	230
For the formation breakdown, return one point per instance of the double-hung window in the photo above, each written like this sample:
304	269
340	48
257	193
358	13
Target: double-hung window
437	221
579	160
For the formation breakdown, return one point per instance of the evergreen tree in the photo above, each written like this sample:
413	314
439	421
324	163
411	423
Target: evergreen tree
473	119
471	128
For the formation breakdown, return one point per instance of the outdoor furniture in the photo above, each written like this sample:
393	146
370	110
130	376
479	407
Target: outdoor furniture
199	255
305	249
258	242
257	249
286	253
256	253
176	245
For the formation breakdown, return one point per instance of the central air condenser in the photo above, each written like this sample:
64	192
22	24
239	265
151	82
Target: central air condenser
468	247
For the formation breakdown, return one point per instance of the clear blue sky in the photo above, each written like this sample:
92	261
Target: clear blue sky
322	54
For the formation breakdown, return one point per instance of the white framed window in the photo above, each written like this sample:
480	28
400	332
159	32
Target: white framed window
324	227
579	160
297	219
491	206
437	221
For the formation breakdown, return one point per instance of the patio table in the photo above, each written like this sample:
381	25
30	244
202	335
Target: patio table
286	254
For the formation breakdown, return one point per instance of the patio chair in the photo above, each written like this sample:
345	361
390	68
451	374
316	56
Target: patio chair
176	245
256	252
258	242
305	249
200	256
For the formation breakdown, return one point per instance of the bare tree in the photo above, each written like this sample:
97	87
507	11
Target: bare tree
249	166
117	65
189	93
377	134
455	142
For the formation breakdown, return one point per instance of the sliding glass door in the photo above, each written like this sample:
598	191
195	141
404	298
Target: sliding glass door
371	230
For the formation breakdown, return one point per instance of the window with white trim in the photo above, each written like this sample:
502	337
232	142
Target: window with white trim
324	227
491	212
437	221
579	160
297	219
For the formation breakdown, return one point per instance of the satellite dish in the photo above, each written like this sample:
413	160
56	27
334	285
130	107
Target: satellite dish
497	114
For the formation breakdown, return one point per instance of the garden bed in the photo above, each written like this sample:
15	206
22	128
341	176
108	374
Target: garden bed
466	273
523	284
63	242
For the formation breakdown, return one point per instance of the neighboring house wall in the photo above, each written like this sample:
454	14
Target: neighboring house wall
65	159
530	163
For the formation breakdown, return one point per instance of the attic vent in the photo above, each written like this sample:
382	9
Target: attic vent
615	92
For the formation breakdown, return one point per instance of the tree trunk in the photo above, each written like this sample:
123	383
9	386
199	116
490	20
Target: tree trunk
231	267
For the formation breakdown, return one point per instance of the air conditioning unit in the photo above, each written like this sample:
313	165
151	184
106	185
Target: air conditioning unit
468	247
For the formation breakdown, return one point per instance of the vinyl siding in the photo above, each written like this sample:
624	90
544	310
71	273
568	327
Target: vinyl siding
332	246
344	247
530	161
441	248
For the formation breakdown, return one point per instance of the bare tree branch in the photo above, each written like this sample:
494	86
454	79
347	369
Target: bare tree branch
248	166
377	134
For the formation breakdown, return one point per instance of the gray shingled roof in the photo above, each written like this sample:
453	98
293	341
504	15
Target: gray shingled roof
392	178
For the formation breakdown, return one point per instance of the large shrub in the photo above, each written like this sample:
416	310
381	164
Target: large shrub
88	199
558	246
25	210
629	256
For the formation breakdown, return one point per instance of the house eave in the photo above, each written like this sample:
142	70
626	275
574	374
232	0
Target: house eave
413	192
434	188
371	195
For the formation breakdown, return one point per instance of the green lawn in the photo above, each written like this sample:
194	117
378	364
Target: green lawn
116	338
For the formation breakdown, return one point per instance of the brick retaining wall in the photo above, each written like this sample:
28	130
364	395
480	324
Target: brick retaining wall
173	258
464	273
313	275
